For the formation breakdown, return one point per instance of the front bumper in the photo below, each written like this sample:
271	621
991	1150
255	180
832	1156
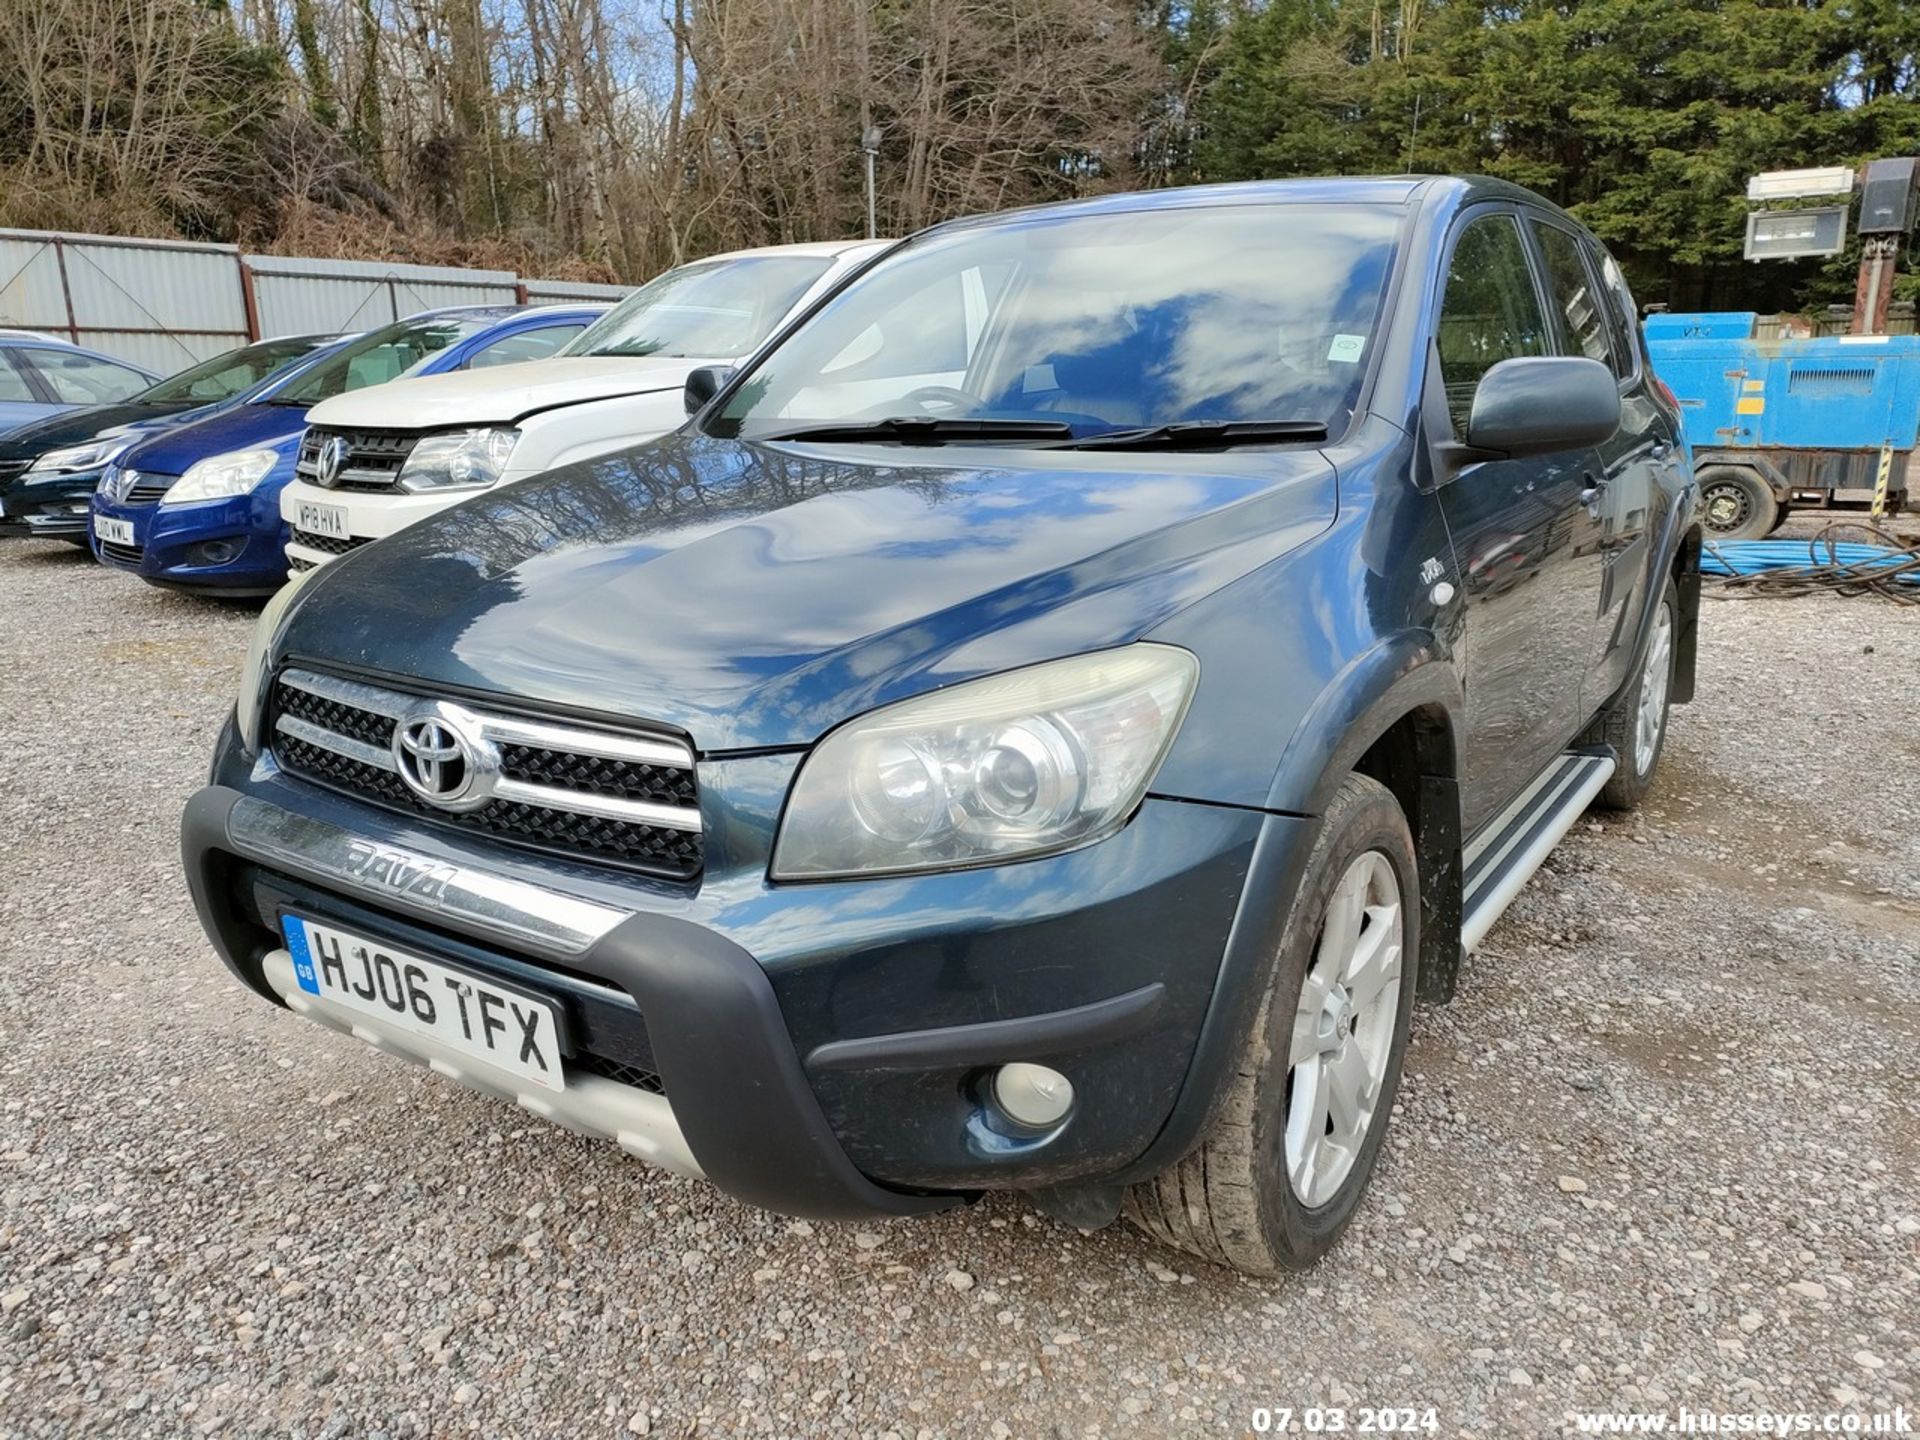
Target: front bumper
235	545
54	508
822	1048
371	515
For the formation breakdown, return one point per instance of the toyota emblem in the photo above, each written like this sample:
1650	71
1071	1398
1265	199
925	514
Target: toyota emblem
331	460
440	759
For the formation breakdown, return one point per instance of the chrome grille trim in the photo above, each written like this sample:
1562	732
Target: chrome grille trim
607	807
589	742
373	462
348	692
591	793
339	744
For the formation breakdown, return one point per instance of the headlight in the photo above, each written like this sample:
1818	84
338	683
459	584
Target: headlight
1020	764
458	460
219	476
78	457
253	672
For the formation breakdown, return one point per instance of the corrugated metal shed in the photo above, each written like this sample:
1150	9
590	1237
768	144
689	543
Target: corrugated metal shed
168	303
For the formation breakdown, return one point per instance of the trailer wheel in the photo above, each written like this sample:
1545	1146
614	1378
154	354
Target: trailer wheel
1736	504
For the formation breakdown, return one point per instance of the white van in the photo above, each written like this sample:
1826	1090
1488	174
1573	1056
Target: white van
378	459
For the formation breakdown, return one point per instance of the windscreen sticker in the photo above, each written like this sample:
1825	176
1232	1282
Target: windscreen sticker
1038	377
1346	349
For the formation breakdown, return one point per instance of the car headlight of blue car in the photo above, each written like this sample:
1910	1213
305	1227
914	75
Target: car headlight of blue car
220	477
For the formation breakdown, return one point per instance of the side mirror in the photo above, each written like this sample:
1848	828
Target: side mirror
1537	404
705	383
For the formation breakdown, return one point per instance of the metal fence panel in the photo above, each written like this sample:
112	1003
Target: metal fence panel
162	305
166	303
31	296
552	290
296	295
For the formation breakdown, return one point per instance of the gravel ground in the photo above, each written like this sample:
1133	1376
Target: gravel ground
1662	1150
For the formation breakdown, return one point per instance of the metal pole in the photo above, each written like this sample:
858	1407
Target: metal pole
873	229
1878	257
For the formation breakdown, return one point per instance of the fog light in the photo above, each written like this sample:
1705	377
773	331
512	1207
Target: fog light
213	552
1032	1095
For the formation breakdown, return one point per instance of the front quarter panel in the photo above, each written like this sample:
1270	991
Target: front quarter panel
1302	660
579	432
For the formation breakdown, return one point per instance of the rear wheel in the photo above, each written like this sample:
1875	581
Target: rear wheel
1635	725
1736	504
1302	1118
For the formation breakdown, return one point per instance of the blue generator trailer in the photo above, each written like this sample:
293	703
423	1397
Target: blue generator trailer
1775	424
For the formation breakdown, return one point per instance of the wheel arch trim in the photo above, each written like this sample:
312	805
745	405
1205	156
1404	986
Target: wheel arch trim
1371	695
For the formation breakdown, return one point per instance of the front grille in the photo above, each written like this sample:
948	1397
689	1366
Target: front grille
597	775
295	565
124	554
11	468
334	716
331	544
372	461
148	489
618	1071
624	800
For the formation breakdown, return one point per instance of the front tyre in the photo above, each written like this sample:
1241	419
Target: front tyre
1300	1121
1635	724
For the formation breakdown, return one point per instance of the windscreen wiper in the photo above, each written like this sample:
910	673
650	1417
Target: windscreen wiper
1200	435
931	430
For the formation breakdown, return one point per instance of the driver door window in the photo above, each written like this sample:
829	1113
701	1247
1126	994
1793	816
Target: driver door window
1490	311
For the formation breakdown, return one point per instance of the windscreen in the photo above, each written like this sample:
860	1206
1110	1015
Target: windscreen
1096	321
225	376
714	310
380	356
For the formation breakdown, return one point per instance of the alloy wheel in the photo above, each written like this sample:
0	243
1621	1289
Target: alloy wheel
1652	715
1343	1029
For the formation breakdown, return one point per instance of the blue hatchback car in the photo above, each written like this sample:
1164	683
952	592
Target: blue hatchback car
198	507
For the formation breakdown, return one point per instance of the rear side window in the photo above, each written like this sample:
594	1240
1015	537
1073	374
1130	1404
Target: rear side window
1490	311
1583	307
13	381
83	380
527	345
1622	317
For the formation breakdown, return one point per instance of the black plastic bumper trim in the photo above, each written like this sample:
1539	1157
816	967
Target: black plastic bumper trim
719	1039
995	1042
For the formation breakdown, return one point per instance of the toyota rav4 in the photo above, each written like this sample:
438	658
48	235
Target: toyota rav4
1037	727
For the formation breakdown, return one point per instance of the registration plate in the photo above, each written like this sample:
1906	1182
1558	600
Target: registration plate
119	532
506	1029
328	520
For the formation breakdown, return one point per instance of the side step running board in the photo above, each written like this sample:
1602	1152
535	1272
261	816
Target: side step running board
1503	854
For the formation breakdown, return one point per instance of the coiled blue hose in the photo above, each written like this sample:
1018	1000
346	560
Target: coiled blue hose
1799	567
